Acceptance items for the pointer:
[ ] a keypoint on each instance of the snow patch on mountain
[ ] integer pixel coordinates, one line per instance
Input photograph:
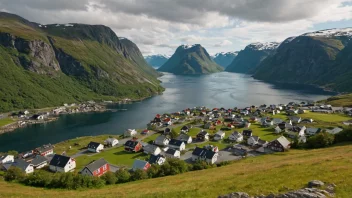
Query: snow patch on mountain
(226, 54)
(330, 32)
(187, 46)
(264, 46)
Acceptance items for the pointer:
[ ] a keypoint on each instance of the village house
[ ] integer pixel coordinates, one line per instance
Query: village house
(95, 147)
(236, 136)
(177, 144)
(208, 125)
(96, 168)
(162, 140)
(247, 133)
(21, 164)
(145, 132)
(295, 119)
(151, 149)
(39, 162)
(203, 154)
(167, 131)
(130, 133)
(187, 139)
(306, 121)
(133, 146)
(157, 159)
(44, 150)
(140, 164)
(173, 153)
(111, 142)
(38, 117)
(312, 131)
(167, 122)
(280, 144)
(7, 159)
(277, 129)
(277, 121)
(219, 135)
(60, 163)
(253, 140)
(334, 131)
(202, 136)
(185, 129)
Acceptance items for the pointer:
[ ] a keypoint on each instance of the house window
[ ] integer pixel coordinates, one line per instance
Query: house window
(104, 167)
(97, 171)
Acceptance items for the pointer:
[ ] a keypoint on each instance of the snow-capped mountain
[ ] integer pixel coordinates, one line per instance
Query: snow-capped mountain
(156, 60)
(263, 46)
(224, 58)
(331, 32)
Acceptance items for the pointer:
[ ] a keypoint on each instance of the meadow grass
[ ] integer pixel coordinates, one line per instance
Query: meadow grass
(6, 121)
(275, 173)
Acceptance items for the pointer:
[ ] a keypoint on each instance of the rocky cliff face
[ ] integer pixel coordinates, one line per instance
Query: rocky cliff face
(68, 63)
(36, 55)
(190, 59)
(249, 58)
(308, 59)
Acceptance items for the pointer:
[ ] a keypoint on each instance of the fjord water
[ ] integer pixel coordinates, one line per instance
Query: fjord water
(216, 90)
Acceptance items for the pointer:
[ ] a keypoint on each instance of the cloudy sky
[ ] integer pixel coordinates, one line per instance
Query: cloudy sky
(159, 26)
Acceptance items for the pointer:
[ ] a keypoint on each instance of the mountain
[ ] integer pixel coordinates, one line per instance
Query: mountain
(48, 65)
(249, 58)
(319, 58)
(224, 59)
(190, 59)
(156, 60)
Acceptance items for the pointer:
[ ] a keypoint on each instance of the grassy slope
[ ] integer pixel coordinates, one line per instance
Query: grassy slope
(340, 100)
(6, 121)
(260, 175)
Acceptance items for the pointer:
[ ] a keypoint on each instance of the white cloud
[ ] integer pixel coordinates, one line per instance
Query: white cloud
(223, 43)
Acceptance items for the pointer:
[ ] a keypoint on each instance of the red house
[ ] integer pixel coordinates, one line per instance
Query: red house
(44, 150)
(140, 164)
(133, 146)
(96, 168)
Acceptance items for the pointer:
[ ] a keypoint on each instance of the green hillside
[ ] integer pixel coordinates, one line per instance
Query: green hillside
(190, 60)
(54, 64)
(275, 173)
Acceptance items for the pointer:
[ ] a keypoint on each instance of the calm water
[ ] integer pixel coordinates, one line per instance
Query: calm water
(217, 90)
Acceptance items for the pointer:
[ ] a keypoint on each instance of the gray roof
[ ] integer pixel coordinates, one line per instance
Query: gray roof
(150, 148)
(283, 141)
(96, 164)
(171, 151)
(139, 164)
(59, 160)
(161, 138)
(256, 138)
(219, 133)
(20, 164)
(39, 160)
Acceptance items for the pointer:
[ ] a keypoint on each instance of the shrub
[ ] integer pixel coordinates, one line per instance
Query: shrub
(321, 140)
(14, 174)
(122, 176)
(139, 175)
(109, 178)
(344, 136)
(39, 179)
(153, 171)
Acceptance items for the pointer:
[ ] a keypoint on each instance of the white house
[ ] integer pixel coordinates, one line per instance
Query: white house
(219, 135)
(19, 163)
(203, 154)
(162, 140)
(177, 144)
(253, 140)
(130, 133)
(157, 159)
(7, 159)
(184, 138)
(60, 163)
(111, 142)
(278, 129)
(95, 147)
(151, 149)
(173, 153)
(39, 162)
(236, 136)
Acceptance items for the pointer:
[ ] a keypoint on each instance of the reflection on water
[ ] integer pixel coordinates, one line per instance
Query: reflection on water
(216, 90)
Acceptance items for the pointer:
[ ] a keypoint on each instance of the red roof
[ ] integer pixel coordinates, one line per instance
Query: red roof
(229, 125)
(167, 119)
(157, 116)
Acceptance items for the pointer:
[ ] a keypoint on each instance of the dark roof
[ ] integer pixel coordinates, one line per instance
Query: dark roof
(131, 143)
(183, 137)
(59, 160)
(185, 128)
(209, 154)
(154, 158)
(175, 142)
(93, 145)
(171, 151)
(203, 133)
(247, 132)
(93, 166)
(199, 152)
(39, 160)
(167, 130)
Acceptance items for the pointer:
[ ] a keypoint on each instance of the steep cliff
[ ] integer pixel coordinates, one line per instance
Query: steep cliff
(192, 59)
(249, 58)
(77, 61)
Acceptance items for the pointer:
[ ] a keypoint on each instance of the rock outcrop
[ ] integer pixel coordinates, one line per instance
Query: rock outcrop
(309, 192)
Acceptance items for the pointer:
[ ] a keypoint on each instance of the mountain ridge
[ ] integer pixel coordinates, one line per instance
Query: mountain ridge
(224, 58)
